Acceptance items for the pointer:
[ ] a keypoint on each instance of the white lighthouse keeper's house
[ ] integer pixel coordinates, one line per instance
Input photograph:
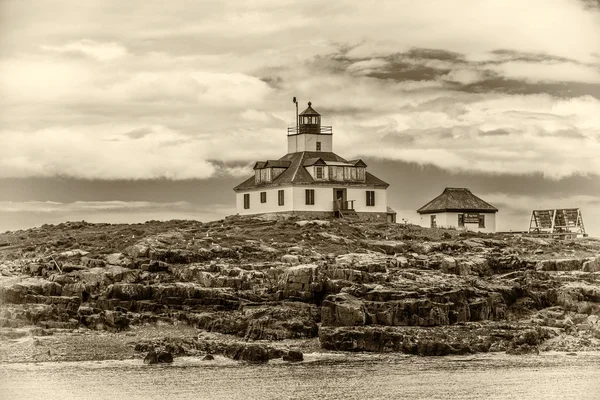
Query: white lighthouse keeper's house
(311, 179)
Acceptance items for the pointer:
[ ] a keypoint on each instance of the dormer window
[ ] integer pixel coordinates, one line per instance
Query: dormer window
(319, 172)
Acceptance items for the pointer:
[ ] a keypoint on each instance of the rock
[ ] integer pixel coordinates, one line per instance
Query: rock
(116, 320)
(402, 262)
(343, 310)
(151, 358)
(390, 247)
(372, 262)
(138, 250)
(155, 266)
(293, 356)
(117, 259)
(592, 265)
(252, 353)
(568, 264)
(449, 265)
(313, 222)
(523, 349)
(290, 259)
(72, 253)
(208, 357)
(300, 281)
(164, 357)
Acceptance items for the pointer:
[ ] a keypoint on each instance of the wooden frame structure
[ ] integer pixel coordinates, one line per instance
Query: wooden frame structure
(560, 223)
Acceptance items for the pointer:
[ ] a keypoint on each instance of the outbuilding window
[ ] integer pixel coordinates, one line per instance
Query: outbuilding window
(263, 197)
(310, 196)
(370, 198)
(482, 220)
(461, 220)
(280, 197)
(247, 201)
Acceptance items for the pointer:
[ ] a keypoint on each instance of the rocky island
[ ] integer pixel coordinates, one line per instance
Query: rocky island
(256, 289)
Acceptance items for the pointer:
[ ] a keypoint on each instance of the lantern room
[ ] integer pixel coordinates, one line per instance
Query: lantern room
(309, 121)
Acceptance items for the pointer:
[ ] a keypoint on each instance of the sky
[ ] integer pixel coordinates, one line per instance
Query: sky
(115, 111)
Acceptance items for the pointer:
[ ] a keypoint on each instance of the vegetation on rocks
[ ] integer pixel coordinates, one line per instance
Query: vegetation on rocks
(259, 283)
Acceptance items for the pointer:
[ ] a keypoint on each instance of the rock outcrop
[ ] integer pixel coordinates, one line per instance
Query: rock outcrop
(356, 286)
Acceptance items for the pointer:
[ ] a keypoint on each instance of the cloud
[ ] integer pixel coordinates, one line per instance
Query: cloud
(89, 48)
(202, 90)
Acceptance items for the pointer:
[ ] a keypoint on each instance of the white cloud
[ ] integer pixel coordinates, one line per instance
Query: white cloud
(90, 48)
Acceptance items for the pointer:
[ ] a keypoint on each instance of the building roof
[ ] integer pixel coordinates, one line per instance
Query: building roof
(277, 164)
(296, 174)
(313, 161)
(456, 199)
(358, 163)
(309, 110)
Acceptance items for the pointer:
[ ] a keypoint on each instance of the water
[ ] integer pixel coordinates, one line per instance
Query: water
(550, 376)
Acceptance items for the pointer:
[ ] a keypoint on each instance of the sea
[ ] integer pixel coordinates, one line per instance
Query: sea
(319, 376)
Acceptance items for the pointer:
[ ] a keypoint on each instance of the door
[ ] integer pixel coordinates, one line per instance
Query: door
(433, 221)
(339, 199)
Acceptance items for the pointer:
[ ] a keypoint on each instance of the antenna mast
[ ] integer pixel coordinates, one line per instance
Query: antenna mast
(296, 103)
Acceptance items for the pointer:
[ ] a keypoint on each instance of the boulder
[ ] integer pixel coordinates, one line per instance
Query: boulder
(343, 310)
(313, 222)
(300, 281)
(566, 264)
(116, 320)
(164, 357)
(151, 358)
(117, 259)
(252, 353)
(208, 357)
(592, 265)
(293, 356)
(290, 259)
(369, 262)
(390, 247)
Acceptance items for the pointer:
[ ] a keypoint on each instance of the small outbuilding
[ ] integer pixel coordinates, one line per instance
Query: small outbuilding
(459, 208)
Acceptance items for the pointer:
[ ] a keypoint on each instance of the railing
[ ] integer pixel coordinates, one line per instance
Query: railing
(343, 205)
(310, 129)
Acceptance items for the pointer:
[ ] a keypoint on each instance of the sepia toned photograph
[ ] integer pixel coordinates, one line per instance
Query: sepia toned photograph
(260, 199)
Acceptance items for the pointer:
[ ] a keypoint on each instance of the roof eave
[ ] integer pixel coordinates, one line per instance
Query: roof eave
(460, 210)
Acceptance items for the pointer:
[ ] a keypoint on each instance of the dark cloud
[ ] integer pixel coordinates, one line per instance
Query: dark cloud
(514, 86)
(138, 133)
(495, 132)
(437, 65)
(513, 55)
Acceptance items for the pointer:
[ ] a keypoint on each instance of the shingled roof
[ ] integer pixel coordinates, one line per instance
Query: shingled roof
(456, 199)
(296, 174)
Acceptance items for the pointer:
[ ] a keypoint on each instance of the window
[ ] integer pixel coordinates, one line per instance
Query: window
(481, 220)
(247, 201)
(310, 196)
(433, 223)
(370, 198)
(280, 197)
(461, 220)
(263, 197)
(319, 172)
(318, 146)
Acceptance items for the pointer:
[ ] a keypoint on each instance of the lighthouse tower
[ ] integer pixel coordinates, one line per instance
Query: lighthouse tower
(309, 135)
